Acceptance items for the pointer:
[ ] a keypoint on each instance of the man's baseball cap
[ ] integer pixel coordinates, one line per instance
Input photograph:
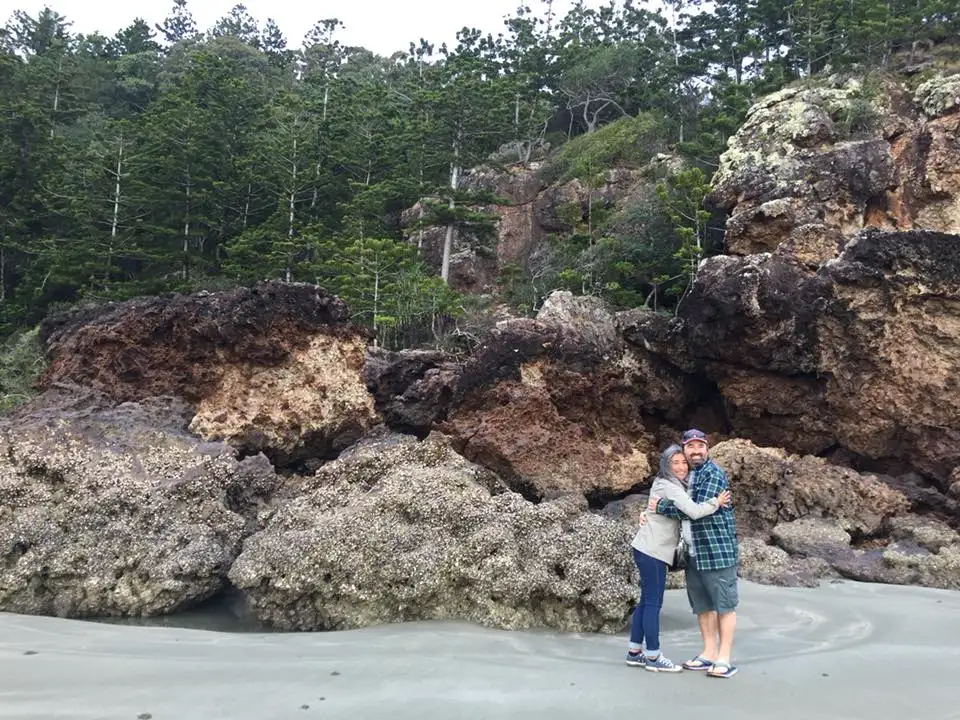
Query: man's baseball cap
(691, 435)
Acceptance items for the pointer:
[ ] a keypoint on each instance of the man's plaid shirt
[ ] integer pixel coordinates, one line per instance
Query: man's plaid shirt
(714, 536)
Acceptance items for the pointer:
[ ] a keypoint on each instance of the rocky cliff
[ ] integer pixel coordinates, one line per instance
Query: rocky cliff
(831, 326)
(532, 209)
(814, 165)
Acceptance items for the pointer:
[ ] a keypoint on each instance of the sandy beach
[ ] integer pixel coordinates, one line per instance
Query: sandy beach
(845, 650)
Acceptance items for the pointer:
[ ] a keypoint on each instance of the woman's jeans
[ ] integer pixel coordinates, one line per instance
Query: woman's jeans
(646, 615)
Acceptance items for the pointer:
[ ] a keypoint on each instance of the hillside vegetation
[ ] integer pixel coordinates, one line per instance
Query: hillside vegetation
(175, 158)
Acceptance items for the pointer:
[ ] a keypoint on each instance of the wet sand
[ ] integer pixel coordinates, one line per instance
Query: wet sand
(843, 651)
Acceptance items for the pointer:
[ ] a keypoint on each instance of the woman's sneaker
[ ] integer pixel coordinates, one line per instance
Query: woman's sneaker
(662, 664)
(638, 659)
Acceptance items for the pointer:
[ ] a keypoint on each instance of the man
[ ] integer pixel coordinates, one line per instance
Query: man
(711, 573)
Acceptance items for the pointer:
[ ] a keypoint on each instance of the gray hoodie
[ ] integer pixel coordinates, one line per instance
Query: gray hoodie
(658, 537)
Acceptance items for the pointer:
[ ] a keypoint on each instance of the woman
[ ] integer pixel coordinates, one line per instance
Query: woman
(653, 548)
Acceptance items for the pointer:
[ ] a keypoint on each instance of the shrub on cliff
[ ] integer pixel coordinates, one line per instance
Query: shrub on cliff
(628, 142)
(21, 361)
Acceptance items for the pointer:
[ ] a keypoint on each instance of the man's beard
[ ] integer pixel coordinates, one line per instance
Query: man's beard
(697, 462)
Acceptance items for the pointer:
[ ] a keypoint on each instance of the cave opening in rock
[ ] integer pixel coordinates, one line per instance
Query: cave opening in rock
(224, 611)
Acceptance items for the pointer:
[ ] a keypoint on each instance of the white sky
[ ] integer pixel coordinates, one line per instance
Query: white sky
(383, 26)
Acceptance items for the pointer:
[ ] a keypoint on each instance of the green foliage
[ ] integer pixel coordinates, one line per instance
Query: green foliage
(681, 196)
(858, 115)
(21, 362)
(639, 256)
(384, 285)
(179, 157)
(628, 142)
(462, 211)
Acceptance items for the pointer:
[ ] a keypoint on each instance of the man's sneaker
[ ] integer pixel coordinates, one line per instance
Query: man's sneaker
(661, 664)
(636, 660)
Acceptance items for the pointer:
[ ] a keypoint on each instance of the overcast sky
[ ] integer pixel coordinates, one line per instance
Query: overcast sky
(383, 26)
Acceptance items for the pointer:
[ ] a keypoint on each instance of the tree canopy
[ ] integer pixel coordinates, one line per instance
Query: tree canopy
(172, 158)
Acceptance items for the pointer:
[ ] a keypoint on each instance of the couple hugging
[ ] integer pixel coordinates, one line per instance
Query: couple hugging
(689, 522)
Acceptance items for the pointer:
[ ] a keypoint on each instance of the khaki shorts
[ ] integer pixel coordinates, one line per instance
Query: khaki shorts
(712, 590)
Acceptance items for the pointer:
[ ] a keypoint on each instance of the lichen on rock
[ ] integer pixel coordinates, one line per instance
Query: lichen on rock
(840, 155)
(939, 96)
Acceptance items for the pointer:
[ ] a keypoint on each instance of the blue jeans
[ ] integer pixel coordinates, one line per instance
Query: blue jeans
(646, 615)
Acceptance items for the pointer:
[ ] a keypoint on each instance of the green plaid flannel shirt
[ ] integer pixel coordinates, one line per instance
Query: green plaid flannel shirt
(714, 536)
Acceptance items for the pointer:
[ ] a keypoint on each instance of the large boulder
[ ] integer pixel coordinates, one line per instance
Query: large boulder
(110, 511)
(274, 368)
(553, 404)
(813, 165)
(773, 487)
(398, 529)
(914, 551)
(802, 520)
(861, 356)
(820, 334)
(558, 403)
(771, 565)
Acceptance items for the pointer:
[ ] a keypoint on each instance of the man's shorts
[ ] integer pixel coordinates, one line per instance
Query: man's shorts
(712, 590)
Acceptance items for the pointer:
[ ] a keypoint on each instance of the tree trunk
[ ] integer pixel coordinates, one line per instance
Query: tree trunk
(454, 181)
(376, 304)
(516, 128)
(292, 205)
(292, 197)
(56, 97)
(676, 66)
(423, 152)
(447, 248)
(114, 223)
(186, 230)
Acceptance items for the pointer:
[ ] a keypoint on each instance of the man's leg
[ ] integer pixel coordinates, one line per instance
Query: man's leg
(728, 625)
(702, 605)
(727, 597)
(710, 633)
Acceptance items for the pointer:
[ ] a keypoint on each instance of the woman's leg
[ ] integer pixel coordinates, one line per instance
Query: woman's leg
(653, 578)
(636, 624)
(654, 574)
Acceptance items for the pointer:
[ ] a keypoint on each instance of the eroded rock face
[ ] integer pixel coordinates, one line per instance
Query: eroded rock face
(554, 431)
(274, 368)
(802, 520)
(117, 510)
(863, 355)
(312, 404)
(813, 166)
(400, 530)
(412, 389)
(555, 404)
(559, 404)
